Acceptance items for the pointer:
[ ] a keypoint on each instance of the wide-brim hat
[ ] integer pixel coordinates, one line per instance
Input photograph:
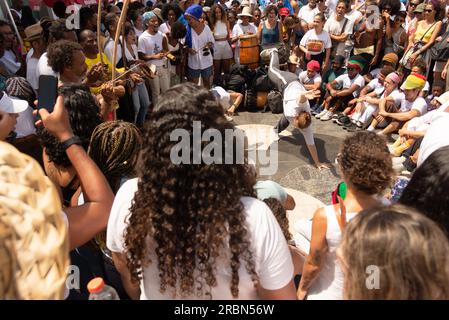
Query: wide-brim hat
(33, 32)
(158, 13)
(246, 12)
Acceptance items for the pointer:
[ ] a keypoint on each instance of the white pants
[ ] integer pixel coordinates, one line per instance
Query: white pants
(160, 83)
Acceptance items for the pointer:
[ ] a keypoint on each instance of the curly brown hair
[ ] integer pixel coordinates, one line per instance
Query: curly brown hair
(280, 214)
(365, 162)
(192, 212)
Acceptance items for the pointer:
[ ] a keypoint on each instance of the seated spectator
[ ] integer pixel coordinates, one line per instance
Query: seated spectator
(413, 262)
(438, 88)
(343, 89)
(231, 226)
(416, 128)
(311, 78)
(370, 98)
(412, 106)
(270, 189)
(366, 168)
(390, 59)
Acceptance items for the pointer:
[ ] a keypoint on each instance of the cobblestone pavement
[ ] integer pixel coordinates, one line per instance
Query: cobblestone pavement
(294, 166)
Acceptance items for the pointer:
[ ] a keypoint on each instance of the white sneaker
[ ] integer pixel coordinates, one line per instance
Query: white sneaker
(229, 118)
(327, 116)
(398, 160)
(321, 114)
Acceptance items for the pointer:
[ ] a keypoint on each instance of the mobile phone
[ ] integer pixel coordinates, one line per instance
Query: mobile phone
(48, 92)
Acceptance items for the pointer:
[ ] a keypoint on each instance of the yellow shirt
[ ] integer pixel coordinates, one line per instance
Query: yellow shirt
(91, 62)
(420, 32)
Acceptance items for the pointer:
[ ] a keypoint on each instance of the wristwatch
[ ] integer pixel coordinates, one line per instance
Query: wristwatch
(73, 140)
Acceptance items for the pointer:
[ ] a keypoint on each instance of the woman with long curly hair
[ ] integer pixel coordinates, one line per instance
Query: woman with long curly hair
(366, 167)
(195, 230)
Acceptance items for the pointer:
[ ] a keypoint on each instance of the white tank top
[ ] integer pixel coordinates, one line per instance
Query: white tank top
(220, 30)
(329, 283)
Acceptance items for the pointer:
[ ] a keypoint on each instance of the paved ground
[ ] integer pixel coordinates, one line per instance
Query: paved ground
(295, 169)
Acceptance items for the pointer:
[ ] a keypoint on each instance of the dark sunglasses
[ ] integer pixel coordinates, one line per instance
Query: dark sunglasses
(413, 4)
(206, 52)
(428, 10)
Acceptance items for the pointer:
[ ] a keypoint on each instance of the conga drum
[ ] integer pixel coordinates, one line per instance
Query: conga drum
(249, 51)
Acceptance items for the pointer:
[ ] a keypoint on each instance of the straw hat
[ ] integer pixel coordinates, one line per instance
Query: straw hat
(246, 12)
(33, 32)
(34, 248)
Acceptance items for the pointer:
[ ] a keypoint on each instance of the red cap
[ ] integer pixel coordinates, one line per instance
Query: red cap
(95, 285)
(284, 12)
(314, 65)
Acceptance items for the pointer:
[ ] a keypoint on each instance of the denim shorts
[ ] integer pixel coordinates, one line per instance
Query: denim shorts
(196, 73)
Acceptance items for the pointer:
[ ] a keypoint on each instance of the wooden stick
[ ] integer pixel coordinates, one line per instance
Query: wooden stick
(100, 47)
(120, 24)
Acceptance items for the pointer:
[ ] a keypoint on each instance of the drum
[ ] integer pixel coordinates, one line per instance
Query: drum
(249, 51)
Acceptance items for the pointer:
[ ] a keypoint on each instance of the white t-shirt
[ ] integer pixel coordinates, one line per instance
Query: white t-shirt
(25, 123)
(32, 72)
(335, 28)
(376, 86)
(331, 5)
(304, 79)
(345, 83)
(239, 30)
(316, 43)
(10, 61)
(151, 44)
(307, 14)
(43, 68)
(222, 96)
(199, 61)
(164, 28)
(273, 262)
(437, 136)
(397, 96)
(292, 107)
(419, 104)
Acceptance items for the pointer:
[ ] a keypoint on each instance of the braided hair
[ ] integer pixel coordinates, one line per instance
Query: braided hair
(114, 146)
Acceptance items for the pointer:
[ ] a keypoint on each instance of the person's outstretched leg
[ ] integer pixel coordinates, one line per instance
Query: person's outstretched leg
(278, 77)
(282, 124)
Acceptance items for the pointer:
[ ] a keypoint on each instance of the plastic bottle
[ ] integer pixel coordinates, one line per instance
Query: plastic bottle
(100, 291)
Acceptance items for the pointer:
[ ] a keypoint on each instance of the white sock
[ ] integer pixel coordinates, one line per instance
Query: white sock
(371, 128)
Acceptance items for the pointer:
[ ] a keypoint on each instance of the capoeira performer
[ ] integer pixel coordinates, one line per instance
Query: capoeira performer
(295, 103)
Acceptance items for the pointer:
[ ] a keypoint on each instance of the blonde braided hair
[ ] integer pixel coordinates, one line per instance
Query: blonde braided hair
(34, 247)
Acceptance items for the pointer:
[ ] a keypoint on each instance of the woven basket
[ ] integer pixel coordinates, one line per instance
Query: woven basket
(34, 248)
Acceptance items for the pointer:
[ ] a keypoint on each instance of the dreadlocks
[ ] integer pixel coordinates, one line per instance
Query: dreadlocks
(114, 146)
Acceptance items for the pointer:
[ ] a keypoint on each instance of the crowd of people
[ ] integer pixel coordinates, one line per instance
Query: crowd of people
(98, 168)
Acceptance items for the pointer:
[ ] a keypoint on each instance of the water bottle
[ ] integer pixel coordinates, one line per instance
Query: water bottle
(100, 291)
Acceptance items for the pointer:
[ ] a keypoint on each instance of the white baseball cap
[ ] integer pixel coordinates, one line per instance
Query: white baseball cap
(11, 105)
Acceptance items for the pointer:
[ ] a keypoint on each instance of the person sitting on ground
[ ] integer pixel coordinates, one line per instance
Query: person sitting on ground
(369, 100)
(420, 67)
(438, 88)
(280, 214)
(311, 78)
(412, 106)
(412, 133)
(270, 189)
(390, 59)
(295, 102)
(343, 89)
(413, 262)
(367, 171)
(219, 242)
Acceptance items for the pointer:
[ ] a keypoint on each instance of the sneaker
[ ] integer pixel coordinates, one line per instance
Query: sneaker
(317, 109)
(321, 114)
(336, 116)
(266, 54)
(352, 127)
(229, 118)
(344, 121)
(398, 150)
(327, 116)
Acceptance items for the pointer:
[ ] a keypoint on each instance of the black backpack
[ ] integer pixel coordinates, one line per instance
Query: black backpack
(274, 102)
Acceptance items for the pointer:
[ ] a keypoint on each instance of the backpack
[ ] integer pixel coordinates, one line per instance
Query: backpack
(274, 102)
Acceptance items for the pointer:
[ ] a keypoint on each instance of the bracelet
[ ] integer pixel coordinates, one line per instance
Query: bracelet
(71, 141)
